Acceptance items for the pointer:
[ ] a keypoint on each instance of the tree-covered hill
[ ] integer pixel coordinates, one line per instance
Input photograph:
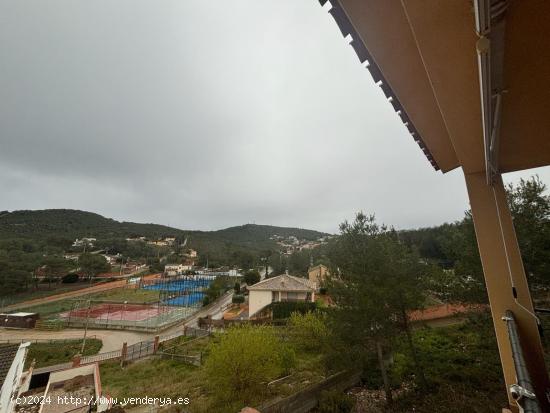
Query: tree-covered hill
(252, 234)
(71, 224)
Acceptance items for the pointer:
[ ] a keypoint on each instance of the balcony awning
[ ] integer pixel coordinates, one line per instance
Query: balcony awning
(423, 54)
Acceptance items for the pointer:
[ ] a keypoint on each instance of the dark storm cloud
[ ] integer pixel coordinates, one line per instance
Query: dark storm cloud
(203, 114)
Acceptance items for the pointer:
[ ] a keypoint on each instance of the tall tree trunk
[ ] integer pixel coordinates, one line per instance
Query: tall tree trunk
(412, 347)
(387, 388)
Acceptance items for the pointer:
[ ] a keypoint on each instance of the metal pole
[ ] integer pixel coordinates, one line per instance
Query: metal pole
(86, 328)
(523, 392)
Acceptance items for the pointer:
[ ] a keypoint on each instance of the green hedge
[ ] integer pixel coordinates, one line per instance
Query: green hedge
(237, 299)
(282, 310)
(70, 278)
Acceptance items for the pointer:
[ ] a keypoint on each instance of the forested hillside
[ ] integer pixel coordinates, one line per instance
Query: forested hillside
(453, 246)
(72, 224)
(28, 236)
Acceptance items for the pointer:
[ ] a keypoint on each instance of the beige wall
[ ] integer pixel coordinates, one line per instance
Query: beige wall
(258, 300)
(317, 275)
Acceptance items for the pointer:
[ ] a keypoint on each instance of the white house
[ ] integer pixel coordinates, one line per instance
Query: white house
(12, 361)
(177, 269)
(191, 253)
(281, 288)
(84, 241)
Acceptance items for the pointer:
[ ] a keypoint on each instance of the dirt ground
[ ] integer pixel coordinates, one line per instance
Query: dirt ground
(70, 294)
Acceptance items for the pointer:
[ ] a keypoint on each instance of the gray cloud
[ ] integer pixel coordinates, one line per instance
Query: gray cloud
(203, 114)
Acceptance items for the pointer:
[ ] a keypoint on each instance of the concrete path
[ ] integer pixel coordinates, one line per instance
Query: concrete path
(215, 310)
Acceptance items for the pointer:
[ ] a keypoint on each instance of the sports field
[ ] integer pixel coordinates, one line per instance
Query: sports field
(179, 285)
(186, 300)
(126, 316)
(118, 311)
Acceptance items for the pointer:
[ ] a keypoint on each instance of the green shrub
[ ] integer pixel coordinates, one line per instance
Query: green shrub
(308, 331)
(252, 277)
(237, 299)
(244, 359)
(464, 353)
(288, 360)
(47, 354)
(70, 278)
(333, 401)
(282, 310)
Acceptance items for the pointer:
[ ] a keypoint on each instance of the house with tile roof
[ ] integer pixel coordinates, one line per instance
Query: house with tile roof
(282, 288)
(318, 274)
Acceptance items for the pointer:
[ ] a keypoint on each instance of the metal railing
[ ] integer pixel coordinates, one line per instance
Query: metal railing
(192, 359)
(44, 340)
(523, 391)
(101, 357)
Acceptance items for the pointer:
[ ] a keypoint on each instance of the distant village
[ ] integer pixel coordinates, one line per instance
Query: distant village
(292, 244)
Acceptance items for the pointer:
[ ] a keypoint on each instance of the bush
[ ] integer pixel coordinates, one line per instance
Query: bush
(323, 291)
(237, 287)
(70, 278)
(238, 299)
(282, 310)
(251, 277)
(465, 353)
(333, 401)
(243, 360)
(48, 354)
(309, 331)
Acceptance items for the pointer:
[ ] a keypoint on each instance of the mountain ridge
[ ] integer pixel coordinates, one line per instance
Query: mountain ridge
(74, 223)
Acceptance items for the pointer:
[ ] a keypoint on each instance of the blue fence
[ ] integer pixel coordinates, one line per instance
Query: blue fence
(183, 292)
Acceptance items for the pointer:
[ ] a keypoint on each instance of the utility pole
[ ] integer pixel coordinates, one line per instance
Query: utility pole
(86, 327)
(266, 261)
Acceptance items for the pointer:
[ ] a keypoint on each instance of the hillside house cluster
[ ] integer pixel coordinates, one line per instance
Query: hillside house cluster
(293, 244)
(84, 242)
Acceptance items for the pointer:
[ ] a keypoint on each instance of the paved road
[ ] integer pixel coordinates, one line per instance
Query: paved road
(215, 311)
(75, 293)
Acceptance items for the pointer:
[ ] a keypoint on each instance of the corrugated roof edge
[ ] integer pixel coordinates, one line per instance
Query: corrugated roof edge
(346, 27)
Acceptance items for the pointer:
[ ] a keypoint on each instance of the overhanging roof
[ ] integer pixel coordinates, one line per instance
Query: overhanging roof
(424, 54)
(284, 282)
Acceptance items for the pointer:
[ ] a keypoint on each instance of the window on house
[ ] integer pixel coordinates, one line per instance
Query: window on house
(293, 296)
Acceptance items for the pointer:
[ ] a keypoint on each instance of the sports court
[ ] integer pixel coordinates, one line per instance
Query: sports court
(178, 299)
(119, 311)
(149, 317)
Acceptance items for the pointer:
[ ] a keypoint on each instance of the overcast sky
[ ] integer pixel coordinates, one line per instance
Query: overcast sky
(204, 114)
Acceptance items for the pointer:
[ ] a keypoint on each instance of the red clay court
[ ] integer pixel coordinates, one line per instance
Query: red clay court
(127, 312)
